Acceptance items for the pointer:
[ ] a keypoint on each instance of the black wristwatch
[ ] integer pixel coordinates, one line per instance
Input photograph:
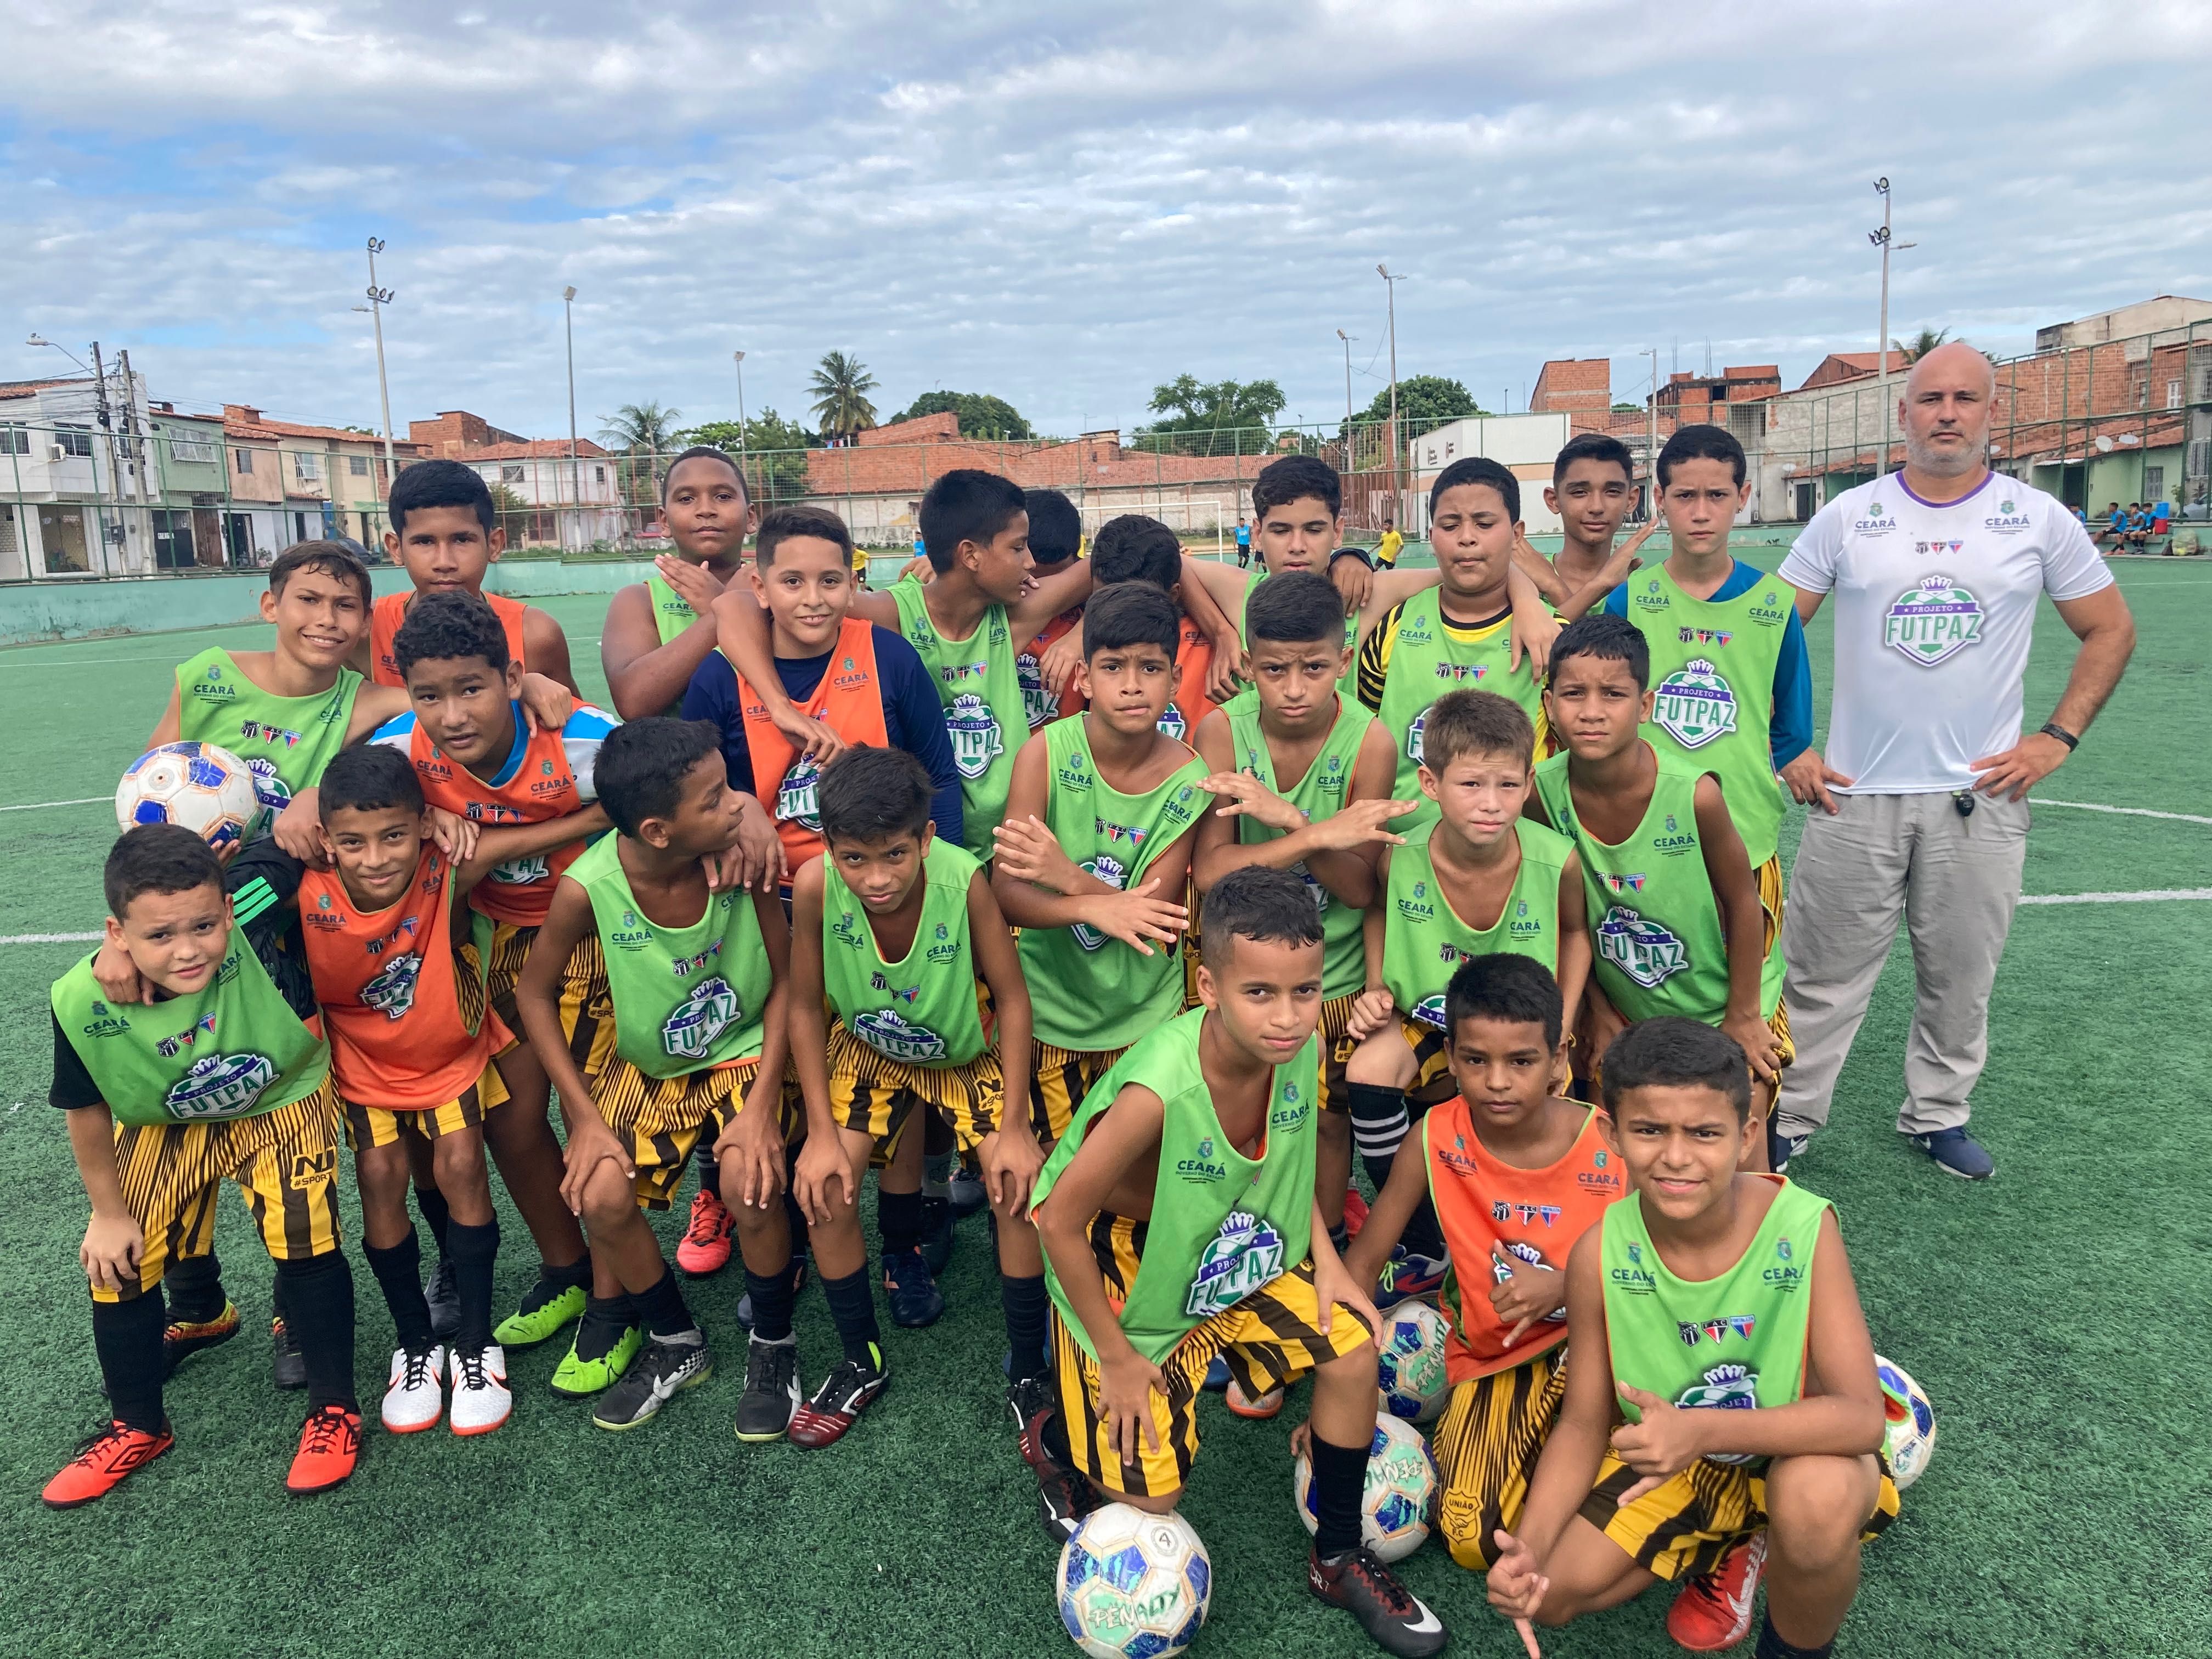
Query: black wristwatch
(1359, 553)
(2053, 729)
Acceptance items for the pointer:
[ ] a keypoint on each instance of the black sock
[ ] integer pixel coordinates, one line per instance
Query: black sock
(472, 1250)
(1340, 1481)
(194, 1286)
(1339, 1239)
(398, 1270)
(852, 1308)
(1054, 1435)
(127, 1337)
(937, 1137)
(660, 1307)
(898, 1219)
(1772, 1646)
(1424, 1233)
(1379, 1123)
(773, 1298)
(710, 1173)
(318, 1312)
(1026, 1307)
(435, 1215)
(796, 1218)
(604, 1320)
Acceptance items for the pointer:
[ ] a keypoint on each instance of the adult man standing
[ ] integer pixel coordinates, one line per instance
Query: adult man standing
(1924, 814)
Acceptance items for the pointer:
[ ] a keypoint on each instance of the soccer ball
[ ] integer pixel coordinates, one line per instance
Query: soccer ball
(209, 790)
(1909, 1437)
(1400, 1496)
(1409, 1362)
(1134, 1585)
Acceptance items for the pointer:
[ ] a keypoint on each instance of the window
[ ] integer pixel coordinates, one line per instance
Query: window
(357, 466)
(243, 460)
(61, 533)
(74, 439)
(15, 439)
(305, 467)
(173, 540)
(510, 475)
(2153, 482)
(197, 450)
(2174, 392)
(598, 475)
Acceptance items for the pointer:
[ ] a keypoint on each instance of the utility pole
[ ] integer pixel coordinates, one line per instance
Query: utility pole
(106, 416)
(575, 472)
(738, 357)
(1347, 339)
(378, 299)
(1651, 438)
(1397, 488)
(1881, 240)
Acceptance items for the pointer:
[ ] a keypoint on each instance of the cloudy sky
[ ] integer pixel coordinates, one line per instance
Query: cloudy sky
(1066, 205)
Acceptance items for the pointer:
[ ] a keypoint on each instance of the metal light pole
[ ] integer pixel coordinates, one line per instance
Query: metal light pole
(1347, 339)
(575, 472)
(378, 299)
(1390, 286)
(1651, 438)
(1881, 240)
(738, 358)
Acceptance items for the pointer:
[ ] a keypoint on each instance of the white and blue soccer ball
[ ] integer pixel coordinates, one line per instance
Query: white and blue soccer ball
(1134, 1585)
(1399, 1504)
(208, 790)
(1909, 1423)
(1409, 1362)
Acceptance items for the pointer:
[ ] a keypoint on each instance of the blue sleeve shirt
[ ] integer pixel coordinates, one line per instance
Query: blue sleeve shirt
(1789, 733)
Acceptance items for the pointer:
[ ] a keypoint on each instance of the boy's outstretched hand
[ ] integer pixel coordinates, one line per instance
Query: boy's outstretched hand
(456, 836)
(1527, 1294)
(1241, 795)
(694, 584)
(756, 860)
(1517, 1589)
(1057, 666)
(1661, 1446)
(1137, 917)
(1363, 823)
(1029, 852)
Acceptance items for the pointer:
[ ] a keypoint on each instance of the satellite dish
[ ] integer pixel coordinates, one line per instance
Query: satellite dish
(2103, 446)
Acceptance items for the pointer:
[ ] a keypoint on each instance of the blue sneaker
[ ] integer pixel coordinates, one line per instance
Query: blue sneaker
(1408, 1275)
(1956, 1153)
(1783, 1148)
(913, 1297)
(1216, 1375)
(966, 1190)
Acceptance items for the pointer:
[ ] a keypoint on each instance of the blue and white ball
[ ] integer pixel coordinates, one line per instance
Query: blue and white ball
(209, 790)
(1409, 1362)
(1134, 1585)
(1909, 1423)
(1399, 1504)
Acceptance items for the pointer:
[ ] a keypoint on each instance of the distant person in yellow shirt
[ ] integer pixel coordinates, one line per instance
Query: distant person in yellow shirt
(1386, 549)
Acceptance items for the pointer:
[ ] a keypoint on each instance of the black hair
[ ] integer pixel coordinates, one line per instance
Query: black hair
(706, 453)
(1471, 722)
(1671, 1052)
(333, 559)
(1056, 526)
(782, 522)
(642, 763)
(1592, 447)
(1131, 613)
(440, 483)
(1135, 549)
(1605, 637)
(158, 858)
(1274, 906)
(1294, 477)
(369, 777)
(871, 795)
(1701, 443)
(1296, 606)
(965, 505)
(452, 625)
(1517, 989)
(1477, 470)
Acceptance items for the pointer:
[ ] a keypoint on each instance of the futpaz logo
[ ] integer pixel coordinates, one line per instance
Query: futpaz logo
(1643, 949)
(897, 1038)
(690, 1032)
(1246, 1255)
(1038, 703)
(391, 993)
(1694, 704)
(1115, 875)
(220, 1086)
(797, 798)
(976, 739)
(1725, 1388)
(1932, 621)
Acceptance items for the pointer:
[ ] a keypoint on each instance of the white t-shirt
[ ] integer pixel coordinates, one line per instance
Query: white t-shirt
(1934, 605)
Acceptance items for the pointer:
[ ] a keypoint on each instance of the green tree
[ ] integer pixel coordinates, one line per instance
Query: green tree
(1425, 402)
(640, 435)
(774, 451)
(982, 415)
(1921, 344)
(1628, 409)
(840, 387)
(1221, 418)
(514, 515)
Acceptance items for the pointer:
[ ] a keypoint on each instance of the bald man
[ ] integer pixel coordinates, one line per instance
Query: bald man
(1920, 807)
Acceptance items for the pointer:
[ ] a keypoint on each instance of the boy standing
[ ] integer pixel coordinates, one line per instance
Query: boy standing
(1719, 1349)
(1593, 486)
(1516, 1174)
(659, 630)
(1055, 543)
(445, 530)
(1097, 840)
(223, 1075)
(1179, 1224)
(1676, 911)
(698, 980)
(1135, 549)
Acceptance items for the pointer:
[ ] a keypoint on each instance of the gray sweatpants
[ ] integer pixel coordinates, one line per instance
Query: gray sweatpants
(1954, 881)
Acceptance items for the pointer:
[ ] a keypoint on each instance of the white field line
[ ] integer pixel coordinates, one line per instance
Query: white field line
(2128, 812)
(49, 938)
(37, 805)
(2155, 897)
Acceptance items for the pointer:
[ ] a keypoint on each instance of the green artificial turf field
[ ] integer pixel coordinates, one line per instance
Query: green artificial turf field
(2052, 1313)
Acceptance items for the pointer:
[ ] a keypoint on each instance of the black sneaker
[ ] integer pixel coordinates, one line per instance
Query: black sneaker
(444, 1296)
(910, 1289)
(669, 1365)
(182, 1337)
(936, 1232)
(837, 1404)
(1064, 1495)
(1396, 1619)
(286, 1362)
(967, 1191)
(798, 1284)
(771, 1394)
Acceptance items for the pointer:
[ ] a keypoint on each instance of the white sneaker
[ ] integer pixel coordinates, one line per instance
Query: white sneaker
(413, 1400)
(481, 1400)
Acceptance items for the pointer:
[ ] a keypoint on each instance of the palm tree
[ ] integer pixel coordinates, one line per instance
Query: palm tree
(841, 385)
(1921, 344)
(644, 431)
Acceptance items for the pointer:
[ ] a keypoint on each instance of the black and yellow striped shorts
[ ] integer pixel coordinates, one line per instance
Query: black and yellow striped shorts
(1336, 1046)
(1486, 1448)
(1270, 1338)
(1684, 1528)
(380, 1126)
(587, 1011)
(1059, 1080)
(660, 1121)
(1432, 1083)
(875, 1095)
(285, 1161)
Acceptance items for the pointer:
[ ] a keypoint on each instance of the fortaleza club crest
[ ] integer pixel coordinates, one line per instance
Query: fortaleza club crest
(391, 993)
(1694, 705)
(897, 1038)
(1933, 619)
(222, 1085)
(1643, 949)
(1111, 871)
(976, 739)
(1244, 1255)
(1726, 1388)
(796, 797)
(700, 1020)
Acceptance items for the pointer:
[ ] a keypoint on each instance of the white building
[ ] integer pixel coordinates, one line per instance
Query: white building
(1525, 445)
(76, 497)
